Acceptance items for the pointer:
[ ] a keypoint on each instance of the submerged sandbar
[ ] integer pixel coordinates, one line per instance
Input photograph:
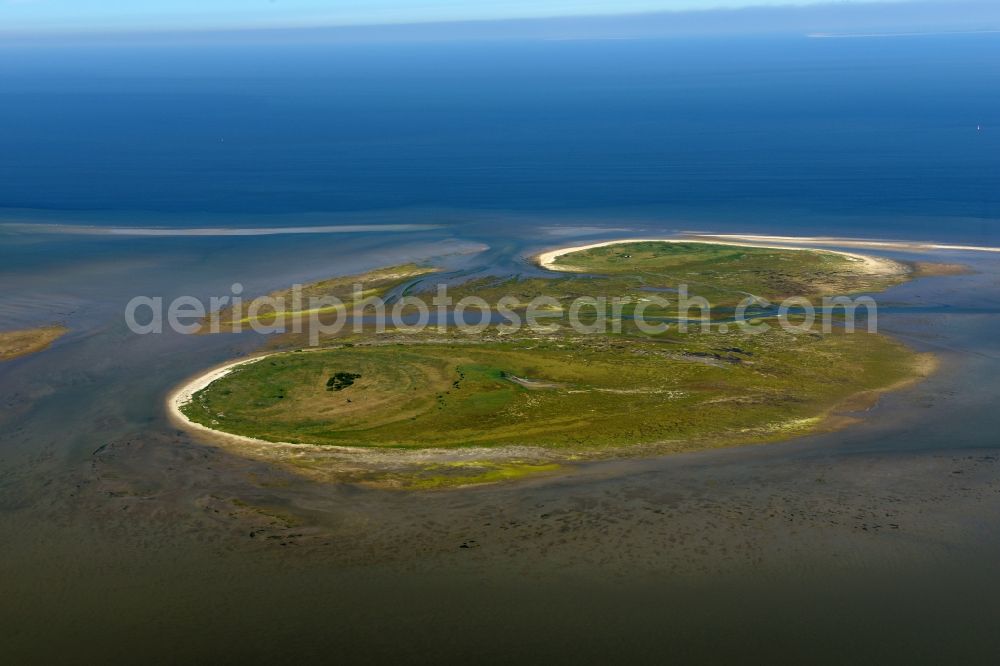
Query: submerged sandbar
(15, 344)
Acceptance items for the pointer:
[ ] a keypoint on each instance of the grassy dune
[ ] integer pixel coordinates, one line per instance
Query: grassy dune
(580, 394)
(725, 273)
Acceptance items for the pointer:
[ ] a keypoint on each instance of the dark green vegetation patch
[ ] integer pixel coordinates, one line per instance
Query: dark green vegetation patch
(341, 380)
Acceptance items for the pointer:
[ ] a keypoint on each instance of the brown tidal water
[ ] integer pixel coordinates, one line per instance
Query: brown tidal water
(125, 539)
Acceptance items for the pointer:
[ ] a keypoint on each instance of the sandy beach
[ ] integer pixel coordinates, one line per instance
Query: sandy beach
(913, 246)
(185, 394)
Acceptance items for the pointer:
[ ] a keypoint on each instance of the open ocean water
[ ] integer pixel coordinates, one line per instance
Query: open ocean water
(123, 538)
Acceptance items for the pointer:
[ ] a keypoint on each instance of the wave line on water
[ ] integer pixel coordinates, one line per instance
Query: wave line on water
(94, 230)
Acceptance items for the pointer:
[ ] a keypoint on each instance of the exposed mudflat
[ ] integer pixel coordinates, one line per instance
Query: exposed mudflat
(124, 535)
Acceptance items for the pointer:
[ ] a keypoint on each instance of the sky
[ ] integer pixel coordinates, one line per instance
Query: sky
(48, 16)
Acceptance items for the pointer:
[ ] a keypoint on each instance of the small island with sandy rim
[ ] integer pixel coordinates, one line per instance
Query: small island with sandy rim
(439, 409)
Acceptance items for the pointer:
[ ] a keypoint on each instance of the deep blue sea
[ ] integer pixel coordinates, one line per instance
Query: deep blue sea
(887, 137)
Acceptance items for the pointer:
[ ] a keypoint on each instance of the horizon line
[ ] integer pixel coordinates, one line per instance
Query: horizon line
(792, 10)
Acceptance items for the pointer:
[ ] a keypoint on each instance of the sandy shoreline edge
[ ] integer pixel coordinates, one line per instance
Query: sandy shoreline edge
(914, 246)
(183, 394)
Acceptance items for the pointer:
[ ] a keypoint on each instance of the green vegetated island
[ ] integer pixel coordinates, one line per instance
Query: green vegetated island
(445, 408)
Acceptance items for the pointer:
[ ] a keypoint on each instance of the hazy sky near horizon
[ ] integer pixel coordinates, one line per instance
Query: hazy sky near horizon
(125, 15)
